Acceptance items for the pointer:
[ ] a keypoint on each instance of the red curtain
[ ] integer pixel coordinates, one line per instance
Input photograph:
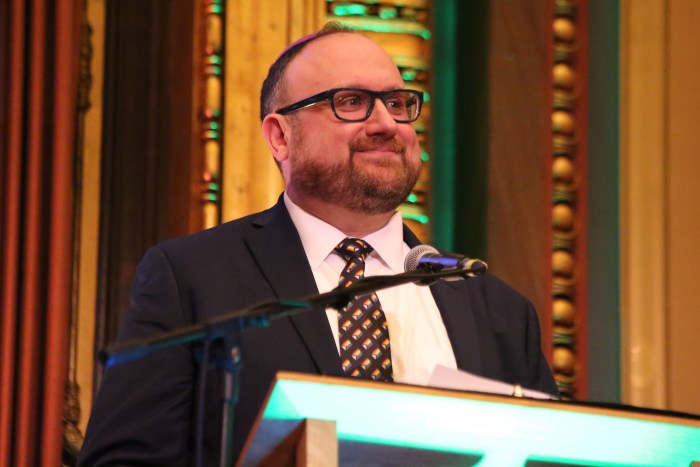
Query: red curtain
(39, 62)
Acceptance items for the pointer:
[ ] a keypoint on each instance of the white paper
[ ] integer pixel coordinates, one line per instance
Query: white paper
(449, 378)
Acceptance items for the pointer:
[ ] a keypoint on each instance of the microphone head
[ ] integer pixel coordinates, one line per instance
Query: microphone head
(413, 257)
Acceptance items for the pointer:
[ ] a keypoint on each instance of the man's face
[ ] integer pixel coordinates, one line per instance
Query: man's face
(368, 167)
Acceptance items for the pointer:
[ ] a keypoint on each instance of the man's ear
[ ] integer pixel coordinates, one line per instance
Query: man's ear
(275, 129)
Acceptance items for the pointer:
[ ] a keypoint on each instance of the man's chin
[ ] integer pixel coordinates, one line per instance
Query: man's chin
(380, 171)
(387, 180)
(381, 198)
(376, 206)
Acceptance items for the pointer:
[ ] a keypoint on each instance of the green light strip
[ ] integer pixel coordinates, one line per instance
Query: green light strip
(506, 433)
(421, 218)
(381, 25)
(444, 124)
(388, 13)
(408, 75)
(353, 9)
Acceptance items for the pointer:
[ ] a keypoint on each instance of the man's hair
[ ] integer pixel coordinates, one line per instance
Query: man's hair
(272, 87)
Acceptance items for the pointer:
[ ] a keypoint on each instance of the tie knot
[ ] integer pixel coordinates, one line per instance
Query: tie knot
(353, 248)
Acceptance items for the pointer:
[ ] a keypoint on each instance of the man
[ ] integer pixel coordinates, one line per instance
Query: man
(337, 120)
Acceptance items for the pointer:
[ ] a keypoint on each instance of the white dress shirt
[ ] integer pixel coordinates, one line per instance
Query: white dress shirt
(418, 337)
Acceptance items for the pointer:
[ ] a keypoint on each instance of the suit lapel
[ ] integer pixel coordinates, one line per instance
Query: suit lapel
(278, 250)
(453, 301)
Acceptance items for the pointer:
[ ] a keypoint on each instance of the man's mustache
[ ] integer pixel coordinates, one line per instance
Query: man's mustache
(378, 143)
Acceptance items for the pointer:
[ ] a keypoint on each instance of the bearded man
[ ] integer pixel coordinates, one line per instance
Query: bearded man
(338, 121)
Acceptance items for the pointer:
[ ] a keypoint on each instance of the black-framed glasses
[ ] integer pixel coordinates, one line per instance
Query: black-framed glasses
(356, 105)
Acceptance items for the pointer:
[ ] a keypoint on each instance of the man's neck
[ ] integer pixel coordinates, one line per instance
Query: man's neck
(351, 223)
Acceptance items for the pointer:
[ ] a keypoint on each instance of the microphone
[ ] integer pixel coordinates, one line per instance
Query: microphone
(425, 258)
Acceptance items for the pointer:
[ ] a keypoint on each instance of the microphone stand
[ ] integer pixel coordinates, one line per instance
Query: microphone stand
(223, 332)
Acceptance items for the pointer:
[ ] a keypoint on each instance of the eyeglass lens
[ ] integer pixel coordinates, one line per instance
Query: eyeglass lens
(353, 104)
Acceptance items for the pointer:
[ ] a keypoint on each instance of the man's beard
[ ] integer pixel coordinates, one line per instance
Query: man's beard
(377, 188)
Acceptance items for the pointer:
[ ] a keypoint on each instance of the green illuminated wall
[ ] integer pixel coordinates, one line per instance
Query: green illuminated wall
(460, 125)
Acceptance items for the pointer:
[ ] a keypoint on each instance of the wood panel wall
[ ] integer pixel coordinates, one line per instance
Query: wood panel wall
(684, 205)
(660, 204)
(151, 161)
(518, 145)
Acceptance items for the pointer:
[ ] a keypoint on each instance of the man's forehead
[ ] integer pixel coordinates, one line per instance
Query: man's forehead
(340, 53)
(328, 46)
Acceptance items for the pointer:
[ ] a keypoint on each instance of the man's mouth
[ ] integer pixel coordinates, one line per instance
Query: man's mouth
(385, 147)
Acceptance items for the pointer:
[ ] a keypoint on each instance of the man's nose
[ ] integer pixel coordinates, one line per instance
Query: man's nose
(380, 120)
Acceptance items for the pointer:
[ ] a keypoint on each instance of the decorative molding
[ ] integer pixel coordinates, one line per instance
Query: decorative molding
(568, 199)
(211, 116)
(81, 361)
(72, 436)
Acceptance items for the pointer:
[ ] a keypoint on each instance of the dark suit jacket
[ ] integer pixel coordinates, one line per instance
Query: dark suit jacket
(144, 412)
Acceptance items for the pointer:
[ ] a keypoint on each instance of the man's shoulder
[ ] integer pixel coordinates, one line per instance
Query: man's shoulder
(489, 293)
(226, 233)
(491, 284)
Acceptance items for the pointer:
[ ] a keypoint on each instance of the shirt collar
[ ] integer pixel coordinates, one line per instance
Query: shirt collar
(320, 238)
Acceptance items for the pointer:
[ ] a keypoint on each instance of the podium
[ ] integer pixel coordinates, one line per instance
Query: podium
(321, 420)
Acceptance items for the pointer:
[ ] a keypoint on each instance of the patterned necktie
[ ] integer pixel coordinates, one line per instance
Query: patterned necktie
(363, 332)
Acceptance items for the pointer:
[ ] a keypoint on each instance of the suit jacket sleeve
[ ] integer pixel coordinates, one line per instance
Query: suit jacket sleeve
(509, 335)
(143, 413)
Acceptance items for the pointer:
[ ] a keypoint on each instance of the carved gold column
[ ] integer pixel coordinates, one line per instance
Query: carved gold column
(79, 384)
(401, 27)
(72, 433)
(212, 111)
(568, 198)
(256, 33)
